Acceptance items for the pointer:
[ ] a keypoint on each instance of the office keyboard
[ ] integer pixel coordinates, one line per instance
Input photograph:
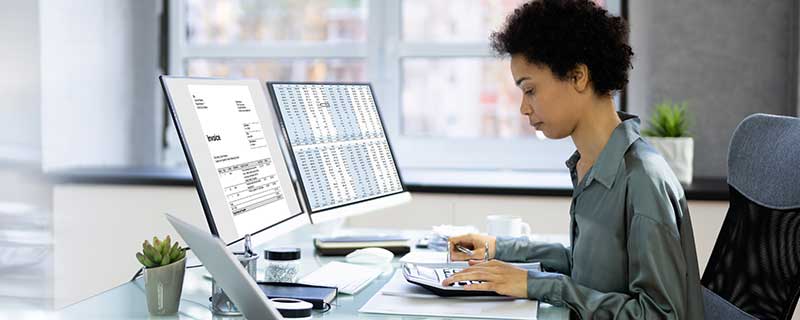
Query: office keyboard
(349, 278)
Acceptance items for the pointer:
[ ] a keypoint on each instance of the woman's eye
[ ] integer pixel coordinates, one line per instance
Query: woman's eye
(529, 92)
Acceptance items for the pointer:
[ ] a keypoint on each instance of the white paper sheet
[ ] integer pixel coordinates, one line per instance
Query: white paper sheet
(422, 305)
(427, 257)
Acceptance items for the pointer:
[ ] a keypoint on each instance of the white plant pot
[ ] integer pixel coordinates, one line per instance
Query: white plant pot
(163, 286)
(679, 153)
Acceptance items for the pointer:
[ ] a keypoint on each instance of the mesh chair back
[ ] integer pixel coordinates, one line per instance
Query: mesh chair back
(755, 264)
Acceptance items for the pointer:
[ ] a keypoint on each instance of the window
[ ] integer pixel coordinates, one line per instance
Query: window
(447, 100)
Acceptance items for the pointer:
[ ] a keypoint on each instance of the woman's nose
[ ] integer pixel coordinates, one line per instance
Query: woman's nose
(524, 108)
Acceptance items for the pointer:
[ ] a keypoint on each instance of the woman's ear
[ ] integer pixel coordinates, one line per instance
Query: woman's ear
(579, 78)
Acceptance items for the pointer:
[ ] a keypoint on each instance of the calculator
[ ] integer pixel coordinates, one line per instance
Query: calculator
(431, 278)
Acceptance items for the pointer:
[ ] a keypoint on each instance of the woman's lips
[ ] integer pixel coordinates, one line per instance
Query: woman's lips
(537, 125)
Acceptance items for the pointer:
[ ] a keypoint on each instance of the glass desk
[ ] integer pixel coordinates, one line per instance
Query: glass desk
(128, 301)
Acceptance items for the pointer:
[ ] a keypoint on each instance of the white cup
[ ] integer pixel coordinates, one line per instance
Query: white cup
(506, 225)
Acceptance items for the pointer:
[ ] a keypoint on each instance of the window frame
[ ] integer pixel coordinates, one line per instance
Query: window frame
(383, 51)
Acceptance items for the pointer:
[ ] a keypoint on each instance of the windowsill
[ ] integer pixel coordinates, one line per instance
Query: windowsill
(160, 176)
(498, 182)
(506, 182)
(536, 183)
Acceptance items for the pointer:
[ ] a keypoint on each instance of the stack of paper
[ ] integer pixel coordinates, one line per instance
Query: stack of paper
(402, 298)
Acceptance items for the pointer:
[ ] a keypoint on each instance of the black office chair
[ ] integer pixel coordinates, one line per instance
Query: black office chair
(754, 269)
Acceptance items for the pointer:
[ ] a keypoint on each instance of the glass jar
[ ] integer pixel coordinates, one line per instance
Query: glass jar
(283, 264)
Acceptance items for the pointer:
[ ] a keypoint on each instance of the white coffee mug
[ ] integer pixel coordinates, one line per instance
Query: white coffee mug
(506, 225)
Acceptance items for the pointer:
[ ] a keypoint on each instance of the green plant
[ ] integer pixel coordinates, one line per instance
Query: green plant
(160, 253)
(669, 120)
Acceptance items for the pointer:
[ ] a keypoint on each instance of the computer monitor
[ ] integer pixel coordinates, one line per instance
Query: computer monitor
(338, 147)
(228, 131)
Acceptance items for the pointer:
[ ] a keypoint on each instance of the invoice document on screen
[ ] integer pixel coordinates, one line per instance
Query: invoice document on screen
(237, 142)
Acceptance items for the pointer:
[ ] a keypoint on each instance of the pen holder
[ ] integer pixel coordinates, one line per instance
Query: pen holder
(220, 303)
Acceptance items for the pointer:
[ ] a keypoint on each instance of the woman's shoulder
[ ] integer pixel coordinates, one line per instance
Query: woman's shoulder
(650, 181)
(644, 164)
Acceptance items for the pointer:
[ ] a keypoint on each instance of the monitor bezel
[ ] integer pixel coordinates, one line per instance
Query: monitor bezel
(295, 165)
(193, 169)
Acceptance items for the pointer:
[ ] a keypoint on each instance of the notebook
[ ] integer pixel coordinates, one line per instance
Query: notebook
(340, 246)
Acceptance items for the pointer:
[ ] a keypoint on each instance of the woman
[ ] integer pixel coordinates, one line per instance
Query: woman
(632, 253)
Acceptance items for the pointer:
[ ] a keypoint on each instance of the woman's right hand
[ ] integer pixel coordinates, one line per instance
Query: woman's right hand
(474, 242)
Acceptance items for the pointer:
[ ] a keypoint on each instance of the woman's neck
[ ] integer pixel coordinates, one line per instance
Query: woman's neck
(594, 129)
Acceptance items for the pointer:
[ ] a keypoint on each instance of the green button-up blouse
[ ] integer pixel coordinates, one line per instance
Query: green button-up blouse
(632, 252)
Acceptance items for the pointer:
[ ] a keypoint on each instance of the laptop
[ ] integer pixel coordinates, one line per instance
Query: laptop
(227, 271)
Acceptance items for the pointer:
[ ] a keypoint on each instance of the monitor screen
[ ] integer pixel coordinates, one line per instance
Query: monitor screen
(337, 141)
(228, 132)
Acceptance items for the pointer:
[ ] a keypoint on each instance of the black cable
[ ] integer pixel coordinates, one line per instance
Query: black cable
(138, 273)
(326, 307)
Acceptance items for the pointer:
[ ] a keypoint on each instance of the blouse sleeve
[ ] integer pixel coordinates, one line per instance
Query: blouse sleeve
(553, 256)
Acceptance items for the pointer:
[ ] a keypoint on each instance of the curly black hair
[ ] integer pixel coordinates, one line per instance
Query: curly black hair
(561, 34)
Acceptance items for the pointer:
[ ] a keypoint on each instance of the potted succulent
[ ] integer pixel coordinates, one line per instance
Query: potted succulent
(669, 134)
(164, 266)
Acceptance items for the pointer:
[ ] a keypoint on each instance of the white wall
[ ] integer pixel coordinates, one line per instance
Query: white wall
(99, 89)
(79, 89)
(97, 230)
(25, 249)
(19, 83)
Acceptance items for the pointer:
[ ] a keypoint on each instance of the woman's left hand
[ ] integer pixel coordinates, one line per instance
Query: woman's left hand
(497, 276)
